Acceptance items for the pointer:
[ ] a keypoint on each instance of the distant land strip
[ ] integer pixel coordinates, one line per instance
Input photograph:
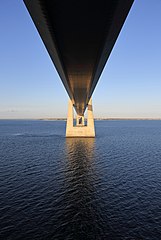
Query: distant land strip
(64, 119)
(100, 119)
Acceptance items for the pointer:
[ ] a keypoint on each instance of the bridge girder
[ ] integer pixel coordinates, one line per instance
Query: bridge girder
(79, 37)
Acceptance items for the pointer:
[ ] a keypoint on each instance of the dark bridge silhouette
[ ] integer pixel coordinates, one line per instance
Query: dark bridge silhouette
(79, 36)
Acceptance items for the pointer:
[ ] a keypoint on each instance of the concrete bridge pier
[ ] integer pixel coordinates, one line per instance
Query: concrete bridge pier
(80, 130)
(80, 120)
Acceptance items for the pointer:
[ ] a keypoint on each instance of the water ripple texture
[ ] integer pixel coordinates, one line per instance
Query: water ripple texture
(56, 188)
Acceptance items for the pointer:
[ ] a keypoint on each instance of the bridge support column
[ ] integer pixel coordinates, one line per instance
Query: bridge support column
(80, 130)
(80, 120)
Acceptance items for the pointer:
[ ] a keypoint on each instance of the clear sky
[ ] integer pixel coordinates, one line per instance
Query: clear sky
(130, 85)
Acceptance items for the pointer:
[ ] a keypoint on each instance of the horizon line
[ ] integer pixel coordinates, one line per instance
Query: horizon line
(96, 118)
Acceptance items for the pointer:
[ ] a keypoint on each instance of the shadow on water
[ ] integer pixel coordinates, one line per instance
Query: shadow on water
(81, 216)
(54, 188)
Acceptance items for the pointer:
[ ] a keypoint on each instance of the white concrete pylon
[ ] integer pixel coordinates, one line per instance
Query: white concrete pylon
(80, 120)
(90, 118)
(70, 116)
(80, 130)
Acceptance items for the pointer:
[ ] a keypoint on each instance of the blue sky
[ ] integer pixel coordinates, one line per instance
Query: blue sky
(130, 85)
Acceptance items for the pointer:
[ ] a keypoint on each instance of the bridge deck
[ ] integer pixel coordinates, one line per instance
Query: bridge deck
(79, 36)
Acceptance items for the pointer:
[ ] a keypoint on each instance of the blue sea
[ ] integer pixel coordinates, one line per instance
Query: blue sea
(55, 188)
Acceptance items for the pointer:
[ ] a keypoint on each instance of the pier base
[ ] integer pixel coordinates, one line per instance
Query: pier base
(80, 130)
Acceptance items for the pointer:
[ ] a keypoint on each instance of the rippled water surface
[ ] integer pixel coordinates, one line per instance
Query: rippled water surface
(57, 188)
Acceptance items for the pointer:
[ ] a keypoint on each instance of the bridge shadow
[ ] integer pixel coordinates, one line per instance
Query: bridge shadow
(81, 215)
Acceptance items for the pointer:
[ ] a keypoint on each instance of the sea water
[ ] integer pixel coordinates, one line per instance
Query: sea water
(108, 187)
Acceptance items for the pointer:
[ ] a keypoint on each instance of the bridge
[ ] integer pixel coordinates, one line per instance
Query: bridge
(79, 36)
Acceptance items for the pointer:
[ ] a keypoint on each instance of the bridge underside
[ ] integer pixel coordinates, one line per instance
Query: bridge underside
(79, 36)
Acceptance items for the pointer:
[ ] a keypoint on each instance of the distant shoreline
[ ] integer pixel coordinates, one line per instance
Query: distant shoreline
(64, 119)
(100, 119)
